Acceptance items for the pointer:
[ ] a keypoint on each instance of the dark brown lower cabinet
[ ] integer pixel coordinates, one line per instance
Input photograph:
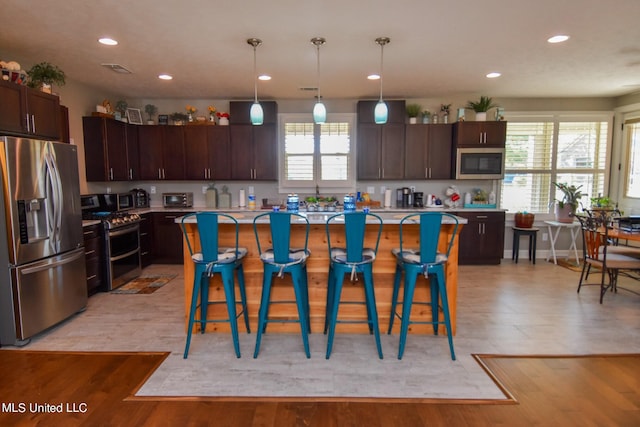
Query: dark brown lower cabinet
(94, 259)
(167, 238)
(146, 240)
(481, 240)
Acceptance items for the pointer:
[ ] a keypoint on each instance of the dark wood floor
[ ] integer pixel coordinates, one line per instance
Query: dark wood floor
(96, 389)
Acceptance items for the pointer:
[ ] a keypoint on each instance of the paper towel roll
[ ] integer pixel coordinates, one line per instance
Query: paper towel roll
(242, 200)
(387, 198)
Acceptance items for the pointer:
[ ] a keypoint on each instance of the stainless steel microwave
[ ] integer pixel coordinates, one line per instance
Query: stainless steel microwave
(177, 200)
(480, 163)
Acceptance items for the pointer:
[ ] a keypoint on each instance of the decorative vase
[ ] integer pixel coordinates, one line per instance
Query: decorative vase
(413, 120)
(481, 116)
(524, 220)
(212, 118)
(445, 118)
(224, 121)
(425, 120)
(565, 213)
(190, 117)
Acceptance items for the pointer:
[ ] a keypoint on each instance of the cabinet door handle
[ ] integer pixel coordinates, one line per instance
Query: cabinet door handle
(33, 123)
(130, 173)
(92, 277)
(163, 177)
(159, 174)
(481, 216)
(480, 138)
(204, 172)
(26, 119)
(90, 252)
(111, 174)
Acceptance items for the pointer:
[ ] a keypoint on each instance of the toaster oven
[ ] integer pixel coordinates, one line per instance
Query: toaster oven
(177, 200)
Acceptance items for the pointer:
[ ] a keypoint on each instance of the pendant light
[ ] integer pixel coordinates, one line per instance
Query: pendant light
(381, 112)
(256, 113)
(319, 110)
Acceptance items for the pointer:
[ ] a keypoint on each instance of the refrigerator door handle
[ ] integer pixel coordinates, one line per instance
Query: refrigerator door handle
(64, 259)
(56, 189)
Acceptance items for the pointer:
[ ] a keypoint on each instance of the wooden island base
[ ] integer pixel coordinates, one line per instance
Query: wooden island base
(318, 266)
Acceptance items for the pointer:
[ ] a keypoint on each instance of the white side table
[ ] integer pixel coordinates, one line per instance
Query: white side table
(554, 231)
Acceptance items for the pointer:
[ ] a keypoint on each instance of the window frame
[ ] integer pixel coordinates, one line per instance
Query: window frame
(285, 186)
(631, 122)
(557, 118)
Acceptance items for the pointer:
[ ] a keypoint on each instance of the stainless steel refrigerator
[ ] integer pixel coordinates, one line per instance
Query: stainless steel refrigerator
(42, 263)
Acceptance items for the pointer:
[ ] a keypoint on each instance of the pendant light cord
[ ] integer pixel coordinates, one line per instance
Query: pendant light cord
(381, 62)
(255, 76)
(318, 57)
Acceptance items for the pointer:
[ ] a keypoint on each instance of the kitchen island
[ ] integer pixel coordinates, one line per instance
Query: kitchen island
(317, 267)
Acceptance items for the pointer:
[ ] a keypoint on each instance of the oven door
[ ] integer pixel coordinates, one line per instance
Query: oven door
(480, 163)
(123, 249)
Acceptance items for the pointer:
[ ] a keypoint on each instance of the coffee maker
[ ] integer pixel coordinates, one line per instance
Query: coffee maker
(418, 199)
(404, 197)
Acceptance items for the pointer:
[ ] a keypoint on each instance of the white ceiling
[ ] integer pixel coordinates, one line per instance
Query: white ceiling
(437, 49)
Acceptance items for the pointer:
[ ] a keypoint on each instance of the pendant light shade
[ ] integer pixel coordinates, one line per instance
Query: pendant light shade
(381, 112)
(319, 110)
(256, 114)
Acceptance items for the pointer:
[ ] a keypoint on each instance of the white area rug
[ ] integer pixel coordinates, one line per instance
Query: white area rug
(354, 369)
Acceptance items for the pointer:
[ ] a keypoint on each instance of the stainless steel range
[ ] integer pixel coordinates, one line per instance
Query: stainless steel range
(121, 232)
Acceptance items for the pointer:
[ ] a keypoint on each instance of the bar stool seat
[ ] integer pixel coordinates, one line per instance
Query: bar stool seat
(532, 232)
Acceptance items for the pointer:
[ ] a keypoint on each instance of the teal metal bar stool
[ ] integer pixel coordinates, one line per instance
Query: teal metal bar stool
(278, 260)
(426, 261)
(210, 260)
(352, 259)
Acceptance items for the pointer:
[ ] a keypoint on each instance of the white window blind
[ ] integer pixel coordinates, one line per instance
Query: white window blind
(632, 188)
(316, 155)
(544, 150)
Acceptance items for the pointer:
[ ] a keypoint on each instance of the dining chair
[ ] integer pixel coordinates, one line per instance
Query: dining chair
(278, 259)
(427, 261)
(601, 252)
(209, 259)
(352, 258)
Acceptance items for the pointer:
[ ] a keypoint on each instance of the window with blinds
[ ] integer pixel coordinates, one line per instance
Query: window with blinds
(632, 187)
(317, 154)
(544, 150)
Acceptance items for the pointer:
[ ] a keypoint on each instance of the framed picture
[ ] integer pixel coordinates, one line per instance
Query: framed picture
(134, 116)
(163, 119)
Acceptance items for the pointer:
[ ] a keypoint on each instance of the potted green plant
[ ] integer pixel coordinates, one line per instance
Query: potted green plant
(413, 110)
(566, 207)
(44, 75)
(481, 107)
(179, 118)
(121, 110)
(151, 110)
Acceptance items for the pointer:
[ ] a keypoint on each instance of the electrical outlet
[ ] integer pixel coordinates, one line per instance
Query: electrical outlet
(152, 190)
(371, 190)
(545, 237)
(413, 188)
(204, 189)
(251, 189)
(108, 190)
(383, 189)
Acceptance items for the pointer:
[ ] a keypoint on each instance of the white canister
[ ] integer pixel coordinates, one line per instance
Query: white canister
(242, 201)
(467, 198)
(211, 197)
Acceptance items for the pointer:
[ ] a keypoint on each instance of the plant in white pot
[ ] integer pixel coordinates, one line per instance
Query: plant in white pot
(151, 110)
(566, 207)
(413, 111)
(481, 107)
(44, 75)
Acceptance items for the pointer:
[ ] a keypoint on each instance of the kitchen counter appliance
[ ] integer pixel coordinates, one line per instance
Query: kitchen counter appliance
(177, 200)
(42, 261)
(404, 197)
(121, 232)
(140, 198)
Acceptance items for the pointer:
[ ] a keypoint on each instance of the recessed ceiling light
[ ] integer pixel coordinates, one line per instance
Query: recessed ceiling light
(558, 39)
(108, 41)
(264, 77)
(165, 77)
(493, 75)
(373, 77)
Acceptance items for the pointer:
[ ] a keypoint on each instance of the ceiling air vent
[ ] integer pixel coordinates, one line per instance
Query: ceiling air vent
(308, 89)
(117, 68)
